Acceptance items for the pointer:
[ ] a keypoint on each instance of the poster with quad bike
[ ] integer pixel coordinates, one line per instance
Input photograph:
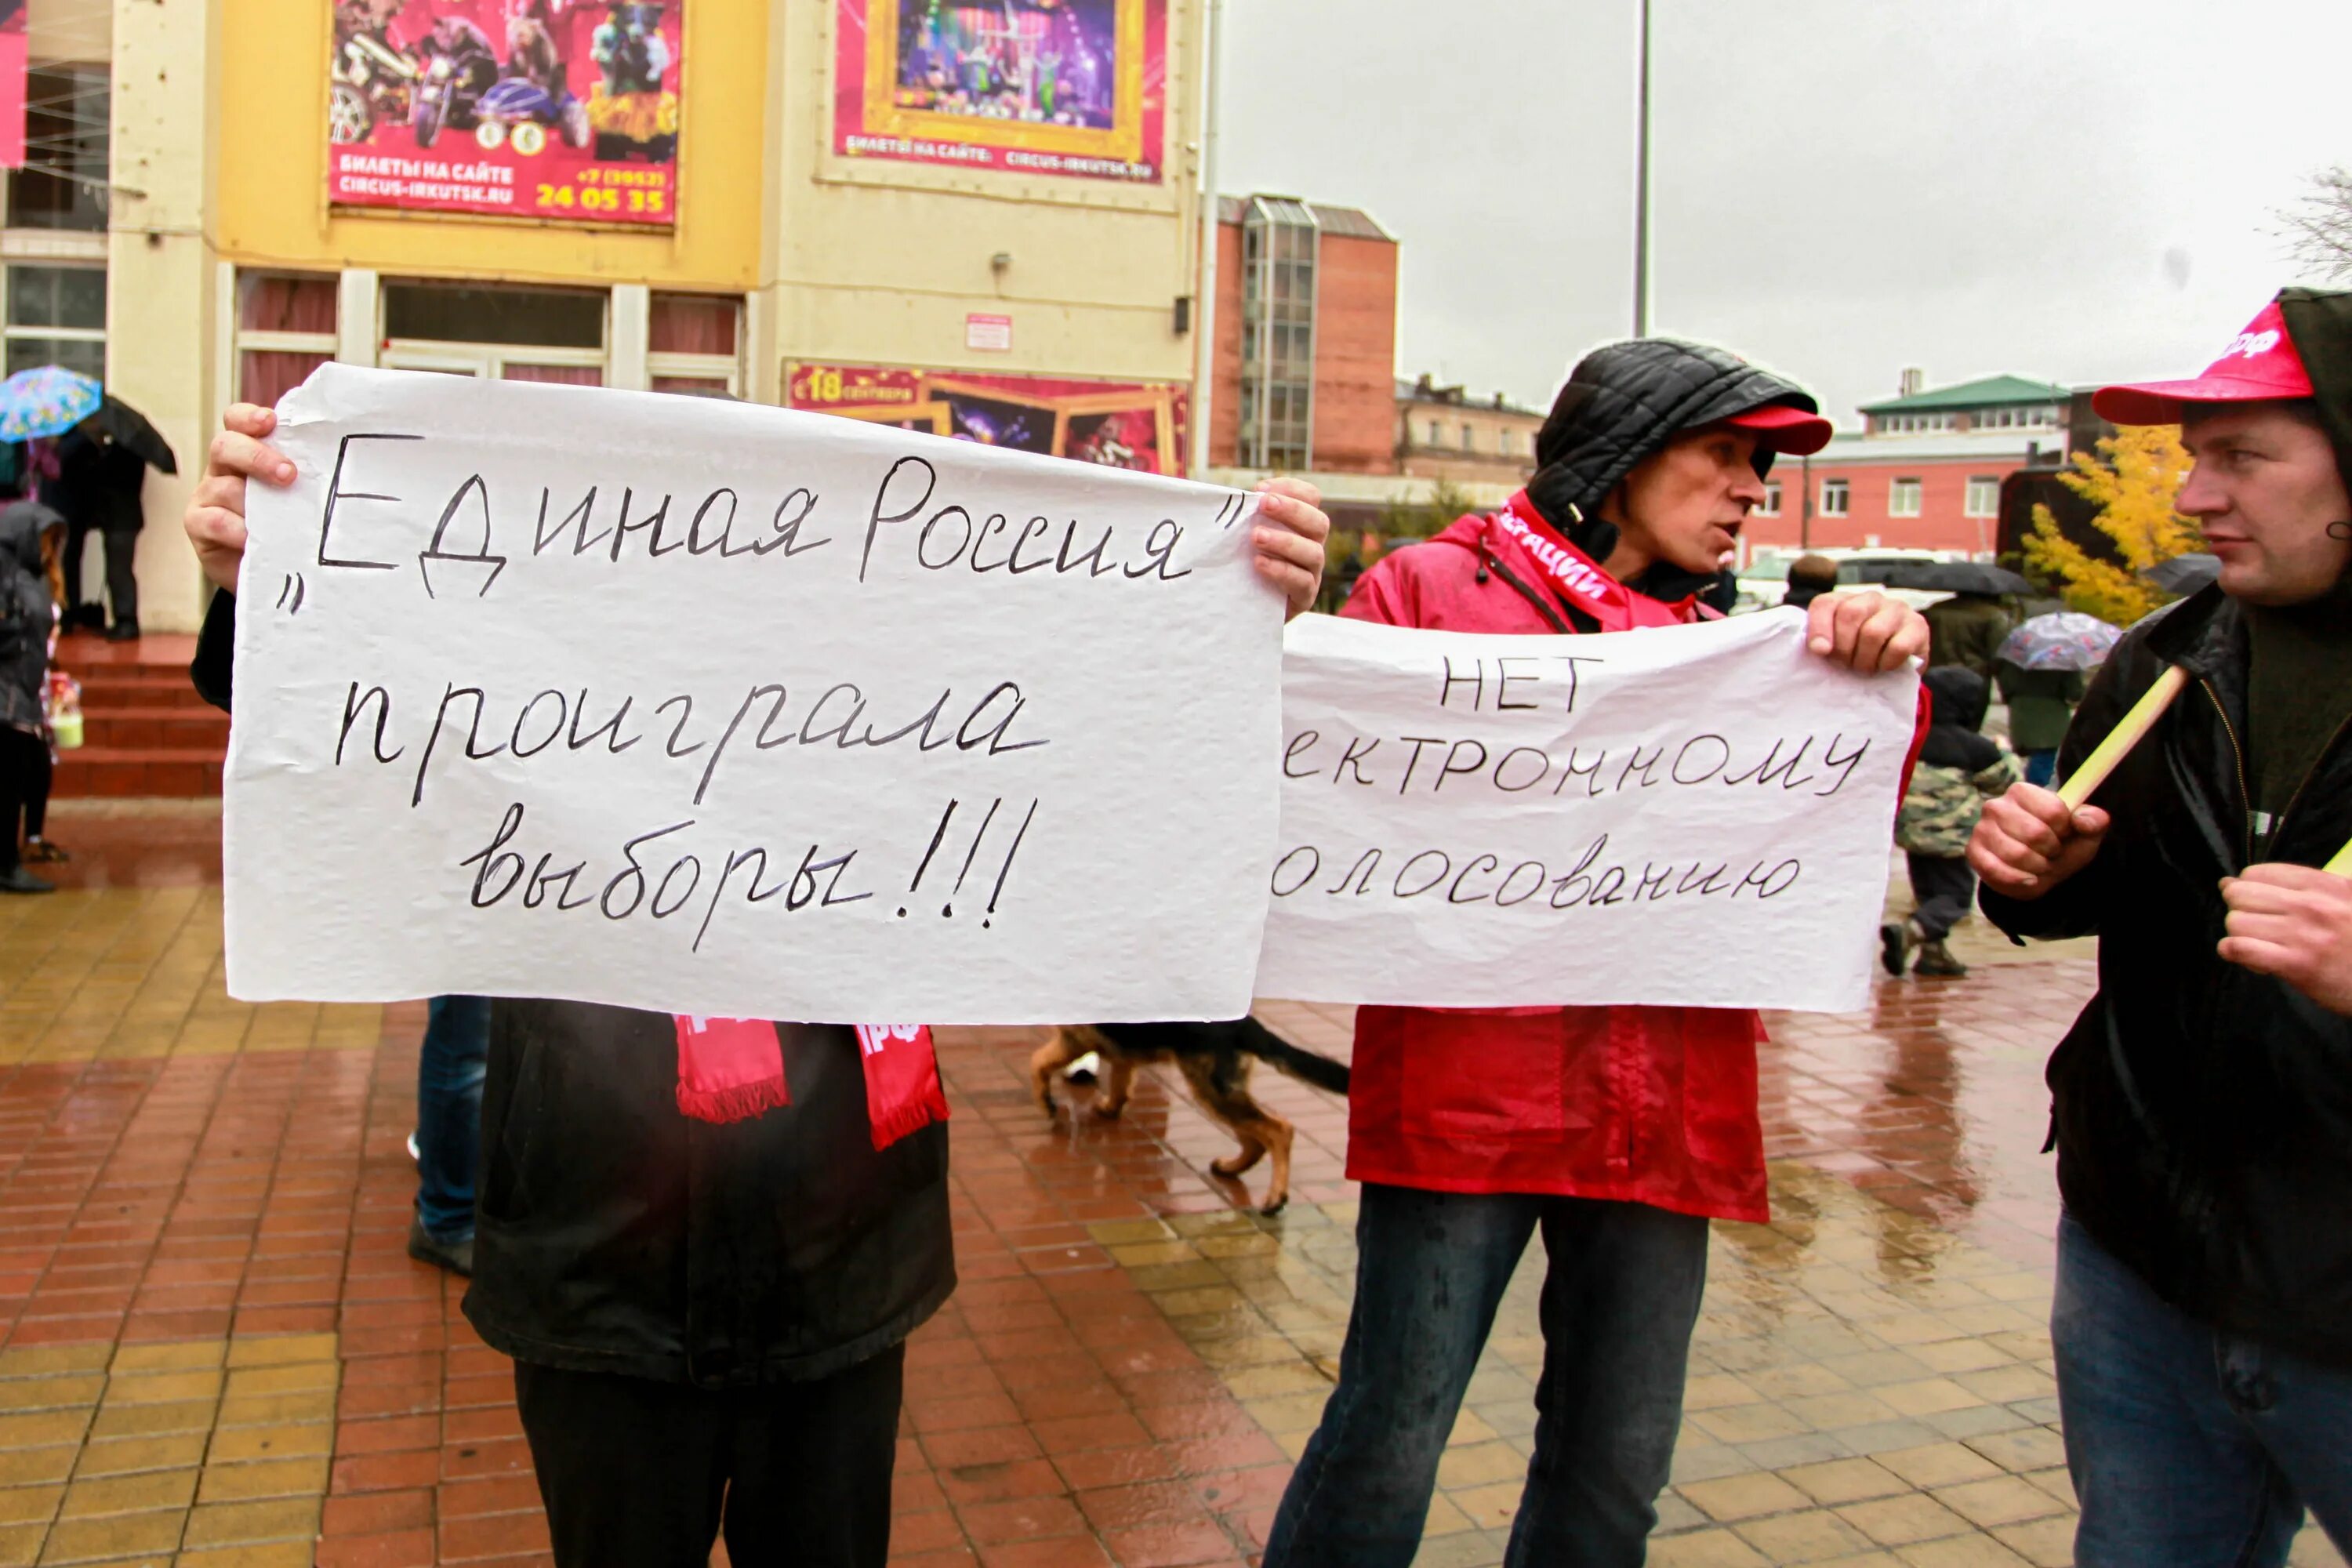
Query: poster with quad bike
(564, 109)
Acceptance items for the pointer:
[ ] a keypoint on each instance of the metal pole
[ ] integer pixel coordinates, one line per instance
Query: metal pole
(1805, 517)
(1642, 181)
(1204, 311)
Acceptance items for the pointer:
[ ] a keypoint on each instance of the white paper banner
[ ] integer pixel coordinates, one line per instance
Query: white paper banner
(712, 707)
(1698, 816)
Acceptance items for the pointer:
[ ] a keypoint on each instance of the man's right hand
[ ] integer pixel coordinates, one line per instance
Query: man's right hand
(216, 520)
(2028, 842)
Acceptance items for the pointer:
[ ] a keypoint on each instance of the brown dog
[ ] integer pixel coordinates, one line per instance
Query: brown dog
(1215, 1060)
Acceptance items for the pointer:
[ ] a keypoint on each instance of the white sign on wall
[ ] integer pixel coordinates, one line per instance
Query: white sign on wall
(1696, 815)
(712, 707)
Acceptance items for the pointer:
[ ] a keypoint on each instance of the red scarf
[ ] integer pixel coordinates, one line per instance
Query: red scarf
(1578, 578)
(731, 1069)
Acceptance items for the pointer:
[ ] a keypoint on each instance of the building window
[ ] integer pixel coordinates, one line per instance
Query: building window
(1984, 496)
(1507, 443)
(694, 344)
(1835, 498)
(505, 335)
(1280, 249)
(63, 181)
(1469, 438)
(1771, 507)
(1436, 434)
(57, 315)
(1903, 499)
(285, 329)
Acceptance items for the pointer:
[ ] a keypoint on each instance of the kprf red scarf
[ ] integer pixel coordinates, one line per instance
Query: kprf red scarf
(731, 1069)
(1579, 579)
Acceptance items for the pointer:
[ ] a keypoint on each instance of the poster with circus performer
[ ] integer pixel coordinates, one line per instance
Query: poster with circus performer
(1067, 88)
(1123, 425)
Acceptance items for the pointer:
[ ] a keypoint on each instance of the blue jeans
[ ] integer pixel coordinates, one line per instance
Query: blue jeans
(2191, 1446)
(1620, 1299)
(2040, 767)
(449, 1113)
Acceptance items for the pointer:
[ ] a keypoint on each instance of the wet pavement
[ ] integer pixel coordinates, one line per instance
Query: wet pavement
(217, 1351)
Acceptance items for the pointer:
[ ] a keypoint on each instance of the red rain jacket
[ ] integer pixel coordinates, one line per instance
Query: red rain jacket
(1652, 1105)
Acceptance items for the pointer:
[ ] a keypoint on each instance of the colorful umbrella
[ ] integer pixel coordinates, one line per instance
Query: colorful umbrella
(2067, 639)
(46, 402)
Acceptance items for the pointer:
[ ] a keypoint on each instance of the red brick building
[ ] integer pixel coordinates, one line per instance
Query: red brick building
(1924, 474)
(1306, 327)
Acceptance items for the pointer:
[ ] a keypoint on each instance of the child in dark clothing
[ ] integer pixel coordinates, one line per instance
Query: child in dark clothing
(1959, 769)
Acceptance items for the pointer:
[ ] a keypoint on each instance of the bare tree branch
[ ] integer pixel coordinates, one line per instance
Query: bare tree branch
(2318, 226)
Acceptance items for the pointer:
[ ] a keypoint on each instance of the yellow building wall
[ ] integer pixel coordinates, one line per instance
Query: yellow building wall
(878, 262)
(270, 167)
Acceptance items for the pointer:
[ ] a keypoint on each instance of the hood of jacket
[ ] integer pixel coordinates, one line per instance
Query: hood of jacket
(1623, 402)
(2320, 322)
(1957, 698)
(21, 525)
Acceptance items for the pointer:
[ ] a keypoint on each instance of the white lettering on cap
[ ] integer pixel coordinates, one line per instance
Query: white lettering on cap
(2252, 345)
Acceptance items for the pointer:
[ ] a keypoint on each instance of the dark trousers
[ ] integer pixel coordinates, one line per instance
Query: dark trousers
(449, 1070)
(1621, 1296)
(122, 584)
(639, 1474)
(1946, 890)
(24, 778)
(36, 798)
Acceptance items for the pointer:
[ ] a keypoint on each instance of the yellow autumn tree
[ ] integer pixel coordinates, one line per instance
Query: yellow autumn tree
(2133, 482)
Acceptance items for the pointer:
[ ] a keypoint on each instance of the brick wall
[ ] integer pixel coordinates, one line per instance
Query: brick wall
(1355, 354)
(1942, 522)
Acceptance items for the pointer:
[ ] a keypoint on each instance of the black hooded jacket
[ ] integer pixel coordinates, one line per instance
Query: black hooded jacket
(2203, 1112)
(1958, 696)
(25, 618)
(1623, 403)
(615, 1234)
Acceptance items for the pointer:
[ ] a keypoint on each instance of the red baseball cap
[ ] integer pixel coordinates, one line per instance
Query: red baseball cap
(2260, 365)
(1786, 429)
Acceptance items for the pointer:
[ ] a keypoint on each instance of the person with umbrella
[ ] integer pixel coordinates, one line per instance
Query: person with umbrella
(2202, 1103)
(1967, 628)
(2041, 669)
(101, 473)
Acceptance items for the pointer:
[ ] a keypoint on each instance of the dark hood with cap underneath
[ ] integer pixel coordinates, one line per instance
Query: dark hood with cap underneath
(1622, 404)
(2320, 322)
(21, 523)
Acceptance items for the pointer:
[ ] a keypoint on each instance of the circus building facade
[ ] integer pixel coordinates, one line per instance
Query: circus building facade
(978, 220)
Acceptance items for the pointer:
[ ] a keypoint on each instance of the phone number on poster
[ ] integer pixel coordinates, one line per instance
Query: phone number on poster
(585, 196)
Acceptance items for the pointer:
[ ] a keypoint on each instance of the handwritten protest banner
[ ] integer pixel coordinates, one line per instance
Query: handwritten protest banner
(714, 708)
(1698, 815)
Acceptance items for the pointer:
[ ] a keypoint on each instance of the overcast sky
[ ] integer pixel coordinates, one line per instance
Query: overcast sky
(2056, 188)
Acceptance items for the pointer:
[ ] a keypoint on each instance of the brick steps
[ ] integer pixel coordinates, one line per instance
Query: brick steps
(200, 729)
(145, 730)
(179, 772)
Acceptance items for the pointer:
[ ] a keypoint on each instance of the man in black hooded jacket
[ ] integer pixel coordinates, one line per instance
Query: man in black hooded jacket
(708, 1320)
(2202, 1103)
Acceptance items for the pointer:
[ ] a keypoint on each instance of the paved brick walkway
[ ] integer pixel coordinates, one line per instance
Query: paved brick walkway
(216, 1352)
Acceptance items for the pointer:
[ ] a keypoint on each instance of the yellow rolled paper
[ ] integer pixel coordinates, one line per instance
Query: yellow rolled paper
(2111, 752)
(2341, 864)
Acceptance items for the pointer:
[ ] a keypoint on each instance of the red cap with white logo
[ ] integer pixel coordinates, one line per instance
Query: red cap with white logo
(2260, 366)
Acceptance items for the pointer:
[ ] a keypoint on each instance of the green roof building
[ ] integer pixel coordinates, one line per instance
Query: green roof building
(1995, 402)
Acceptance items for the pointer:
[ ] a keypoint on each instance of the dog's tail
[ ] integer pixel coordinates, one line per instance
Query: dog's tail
(1308, 1067)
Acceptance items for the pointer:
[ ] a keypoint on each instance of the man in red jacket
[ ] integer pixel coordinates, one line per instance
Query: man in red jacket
(1629, 1127)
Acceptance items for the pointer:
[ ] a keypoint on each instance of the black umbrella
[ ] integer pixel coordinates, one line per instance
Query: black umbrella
(1957, 577)
(2184, 574)
(131, 431)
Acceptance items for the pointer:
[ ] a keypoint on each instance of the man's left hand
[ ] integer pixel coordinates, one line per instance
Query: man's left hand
(2294, 922)
(1291, 530)
(1870, 633)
